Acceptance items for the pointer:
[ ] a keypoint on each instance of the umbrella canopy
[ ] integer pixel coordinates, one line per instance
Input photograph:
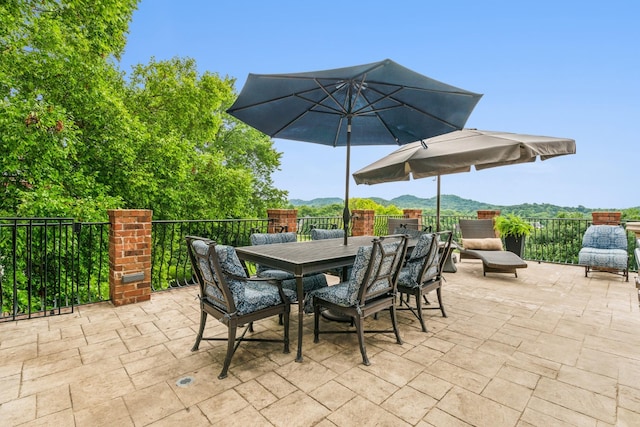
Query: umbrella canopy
(457, 152)
(381, 103)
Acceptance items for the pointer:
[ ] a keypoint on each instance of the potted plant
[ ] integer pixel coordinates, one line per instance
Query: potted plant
(513, 229)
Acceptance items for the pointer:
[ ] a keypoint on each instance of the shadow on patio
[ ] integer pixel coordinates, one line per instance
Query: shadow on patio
(548, 348)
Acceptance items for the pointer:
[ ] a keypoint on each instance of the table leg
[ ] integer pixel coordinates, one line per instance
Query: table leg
(300, 290)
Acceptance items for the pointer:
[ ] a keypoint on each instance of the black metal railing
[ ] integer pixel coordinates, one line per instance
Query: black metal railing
(170, 267)
(50, 265)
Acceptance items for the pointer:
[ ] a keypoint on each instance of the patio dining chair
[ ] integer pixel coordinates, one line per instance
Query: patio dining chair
(333, 233)
(227, 294)
(422, 273)
(371, 289)
(309, 282)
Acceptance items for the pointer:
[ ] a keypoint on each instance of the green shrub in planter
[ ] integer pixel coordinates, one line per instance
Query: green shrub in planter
(512, 225)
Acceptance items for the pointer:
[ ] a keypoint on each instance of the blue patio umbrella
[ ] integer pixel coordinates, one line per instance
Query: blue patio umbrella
(382, 103)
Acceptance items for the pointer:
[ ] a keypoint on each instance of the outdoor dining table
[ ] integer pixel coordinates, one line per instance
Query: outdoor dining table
(302, 258)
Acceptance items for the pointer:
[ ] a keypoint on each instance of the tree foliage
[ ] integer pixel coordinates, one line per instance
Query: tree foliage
(78, 137)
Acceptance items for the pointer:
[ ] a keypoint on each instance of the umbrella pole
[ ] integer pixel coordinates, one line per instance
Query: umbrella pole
(346, 215)
(438, 207)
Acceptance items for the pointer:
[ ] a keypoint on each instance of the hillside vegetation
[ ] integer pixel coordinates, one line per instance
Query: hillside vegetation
(452, 204)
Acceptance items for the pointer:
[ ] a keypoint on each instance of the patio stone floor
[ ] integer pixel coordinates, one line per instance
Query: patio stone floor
(549, 348)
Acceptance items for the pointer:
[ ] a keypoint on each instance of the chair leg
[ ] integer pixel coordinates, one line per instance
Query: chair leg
(231, 341)
(285, 318)
(316, 322)
(360, 331)
(394, 321)
(439, 294)
(203, 322)
(419, 311)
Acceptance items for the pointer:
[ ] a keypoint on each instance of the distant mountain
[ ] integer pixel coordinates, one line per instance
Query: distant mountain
(323, 201)
(453, 203)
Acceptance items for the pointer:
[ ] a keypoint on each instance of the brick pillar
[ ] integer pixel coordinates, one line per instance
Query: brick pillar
(607, 218)
(362, 222)
(129, 255)
(490, 214)
(414, 213)
(280, 218)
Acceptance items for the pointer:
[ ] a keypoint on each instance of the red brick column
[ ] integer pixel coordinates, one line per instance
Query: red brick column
(414, 213)
(129, 255)
(489, 214)
(362, 222)
(282, 218)
(607, 218)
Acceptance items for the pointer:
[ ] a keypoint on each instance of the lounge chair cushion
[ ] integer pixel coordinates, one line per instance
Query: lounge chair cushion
(486, 244)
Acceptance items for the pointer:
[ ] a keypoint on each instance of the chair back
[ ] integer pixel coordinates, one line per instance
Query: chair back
(605, 237)
(445, 238)
(214, 267)
(401, 225)
(477, 228)
(271, 238)
(422, 264)
(376, 268)
(323, 233)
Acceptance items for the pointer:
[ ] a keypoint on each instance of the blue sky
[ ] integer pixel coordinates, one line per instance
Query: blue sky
(554, 68)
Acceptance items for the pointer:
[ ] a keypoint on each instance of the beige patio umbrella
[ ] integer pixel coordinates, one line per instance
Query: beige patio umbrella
(457, 152)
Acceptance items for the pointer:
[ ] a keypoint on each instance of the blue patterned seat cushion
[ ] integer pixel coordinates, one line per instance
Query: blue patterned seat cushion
(320, 234)
(409, 274)
(346, 293)
(604, 246)
(605, 237)
(248, 296)
(413, 234)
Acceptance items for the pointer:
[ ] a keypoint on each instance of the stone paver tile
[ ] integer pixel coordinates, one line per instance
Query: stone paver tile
(534, 364)
(9, 388)
(253, 367)
(588, 380)
(477, 410)
(95, 352)
(50, 363)
(145, 341)
(54, 400)
(472, 328)
(497, 348)
(629, 398)
(61, 346)
(245, 417)
(256, 394)
(599, 362)
(409, 404)
(439, 344)
(518, 376)
(627, 418)
(204, 384)
(104, 336)
(618, 348)
(152, 404)
(430, 385)
(364, 413)
(393, 368)
(558, 349)
(332, 395)
(541, 412)
(366, 384)
(542, 321)
(89, 391)
(629, 372)
(18, 411)
(62, 418)
(508, 393)
(485, 364)
(307, 376)
(189, 417)
(276, 384)
(141, 360)
(175, 369)
(438, 418)
(461, 339)
(296, 409)
(107, 413)
(222, 406)
(575, 329)
(580, 400)
(459, 376)
(423, 355)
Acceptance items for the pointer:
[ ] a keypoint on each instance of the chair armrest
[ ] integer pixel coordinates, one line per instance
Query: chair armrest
(267, 280)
